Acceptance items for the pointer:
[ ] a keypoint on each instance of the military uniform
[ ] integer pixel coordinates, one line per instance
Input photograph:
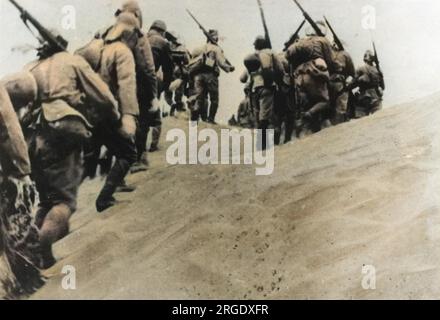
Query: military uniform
(206, 82)
(71, 98)
(164, 63)
(19, 239)
(312, 59)
(174, 97)
(118, 70)
(265, 71)
(371, 86)
(344, 68)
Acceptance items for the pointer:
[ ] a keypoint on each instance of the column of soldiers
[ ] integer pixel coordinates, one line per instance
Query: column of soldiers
(59, 112)
(307, 87)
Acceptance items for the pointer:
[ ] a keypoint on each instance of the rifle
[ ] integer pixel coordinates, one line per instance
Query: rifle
(266, 29)
(205, 32)
(310, 20)
(295, 36)
(376, 60)
(48, 39)
(335, 36)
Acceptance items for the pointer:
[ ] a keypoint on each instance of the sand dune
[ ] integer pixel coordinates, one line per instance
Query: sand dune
(363, 193)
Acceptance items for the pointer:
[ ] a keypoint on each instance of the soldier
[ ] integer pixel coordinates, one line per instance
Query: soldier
(19, 239)
(371, 86)
(164, 62)
(338, 81)
(285, 104)
(70, 99)
(181, 57)
(312, 59)
(118, 70)
(265, 71)
(245, 116)
(206, 81)
(147, 86)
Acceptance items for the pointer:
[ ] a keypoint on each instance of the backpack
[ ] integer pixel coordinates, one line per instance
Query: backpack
(92, 52)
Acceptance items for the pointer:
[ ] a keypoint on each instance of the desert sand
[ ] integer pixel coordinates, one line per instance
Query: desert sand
(362, 193)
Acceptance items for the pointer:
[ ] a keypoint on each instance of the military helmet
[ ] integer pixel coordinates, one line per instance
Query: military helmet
(252, 62)
(125, 22)
(133, 7)
(159, 25)
(22, 88)
(213, 32)
(369, 56)
(261, 43)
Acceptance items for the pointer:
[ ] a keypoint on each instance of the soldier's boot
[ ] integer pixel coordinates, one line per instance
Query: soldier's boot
(125, 188)
(105, 199)
(54, 228)
(262, 135)
(290, 127)
(155, 139)
(142, 164)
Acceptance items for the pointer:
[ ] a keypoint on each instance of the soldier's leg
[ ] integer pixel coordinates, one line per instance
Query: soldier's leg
(122, 144)
(376, 106)
(156, 132)
(178, 97)
(200, 97)
(213, 89)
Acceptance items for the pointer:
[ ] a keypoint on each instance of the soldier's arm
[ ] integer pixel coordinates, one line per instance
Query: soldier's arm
(14, 156)
(221, 60)
(126, 78)
(145, 65)
(167, 65)
(96, 90)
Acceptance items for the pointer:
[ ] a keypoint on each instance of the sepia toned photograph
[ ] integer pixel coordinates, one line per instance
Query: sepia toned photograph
(251, 150)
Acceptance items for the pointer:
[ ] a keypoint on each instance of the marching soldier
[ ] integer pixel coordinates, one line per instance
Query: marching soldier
(181, 57)
(265, 71)
(312, 59)
(70, 99)
(344, 70)
(206, 82)
(164, 63)
(118, 70)
(371, 85)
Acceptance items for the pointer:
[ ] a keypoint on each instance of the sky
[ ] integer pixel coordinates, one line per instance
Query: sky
(405, 34)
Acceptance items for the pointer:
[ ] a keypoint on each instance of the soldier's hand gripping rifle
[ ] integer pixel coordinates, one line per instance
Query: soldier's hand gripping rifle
(266, 29)
(294, 37)
(47, 39)
(205, 32)
(336, 39)
(376, 60)
(310, 20)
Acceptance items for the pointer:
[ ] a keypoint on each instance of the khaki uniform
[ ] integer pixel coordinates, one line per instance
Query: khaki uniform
(370, 83)
(206, 82)
(312, 58)
(118, 70)
(175, 98)
(344, 69)
(18, 234)
(68, 89)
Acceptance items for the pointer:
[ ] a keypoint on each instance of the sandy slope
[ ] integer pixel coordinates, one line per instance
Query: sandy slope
(362, 193)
